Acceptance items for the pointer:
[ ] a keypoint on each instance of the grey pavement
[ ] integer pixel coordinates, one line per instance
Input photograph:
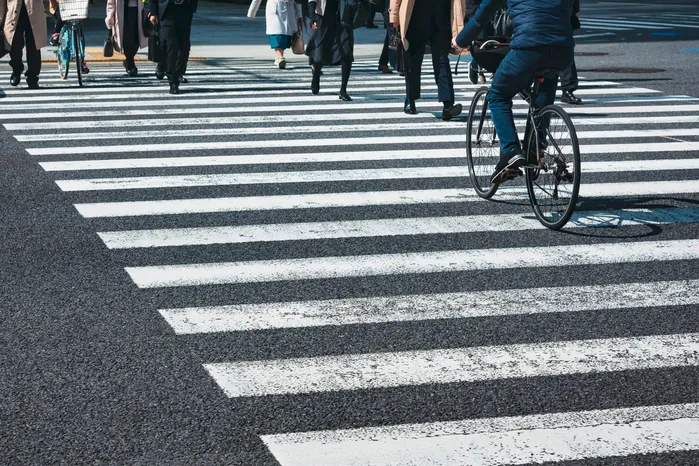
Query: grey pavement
(260, 186)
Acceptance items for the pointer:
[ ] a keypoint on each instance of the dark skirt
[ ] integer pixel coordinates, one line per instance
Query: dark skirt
(331, 43)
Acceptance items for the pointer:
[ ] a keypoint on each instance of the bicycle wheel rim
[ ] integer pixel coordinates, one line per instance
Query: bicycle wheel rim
(63, 52)
(78, 56)
(553, 189)
(482, 147)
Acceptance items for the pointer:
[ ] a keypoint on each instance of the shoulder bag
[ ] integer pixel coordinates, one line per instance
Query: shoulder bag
(108, 50)
(297, 44)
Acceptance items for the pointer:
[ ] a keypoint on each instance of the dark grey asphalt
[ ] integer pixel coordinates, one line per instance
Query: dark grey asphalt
(90, 373)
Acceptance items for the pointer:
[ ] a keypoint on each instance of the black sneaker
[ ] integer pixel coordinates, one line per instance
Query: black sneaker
(569, 98)
(174, 88)
(15, 79)
(508, 168)
(473, 72)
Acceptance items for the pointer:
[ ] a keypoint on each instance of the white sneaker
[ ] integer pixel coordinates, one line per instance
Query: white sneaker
(280, 62)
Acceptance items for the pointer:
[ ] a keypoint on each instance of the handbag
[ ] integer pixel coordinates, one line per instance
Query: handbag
(394, 38)
(108, 50)
(401, 59)
(155, 52)
(297, 45)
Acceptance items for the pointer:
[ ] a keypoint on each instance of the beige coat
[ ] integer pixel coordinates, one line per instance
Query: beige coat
(115, 21)
(9, 15)
(401, 11)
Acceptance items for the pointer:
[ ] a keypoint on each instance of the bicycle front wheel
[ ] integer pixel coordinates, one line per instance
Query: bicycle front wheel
(79, 54)
(482, 147)
(553, 188)
(63, 54)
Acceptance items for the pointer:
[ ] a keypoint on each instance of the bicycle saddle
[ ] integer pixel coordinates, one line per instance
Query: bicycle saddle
(548, 73)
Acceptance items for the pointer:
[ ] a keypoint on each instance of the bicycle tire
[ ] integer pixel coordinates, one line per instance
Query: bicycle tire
(78, 55)
(557, 164)
(479, 168)
(63, 53)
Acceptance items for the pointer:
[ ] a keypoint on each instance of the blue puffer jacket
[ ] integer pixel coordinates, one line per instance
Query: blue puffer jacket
(535, 22)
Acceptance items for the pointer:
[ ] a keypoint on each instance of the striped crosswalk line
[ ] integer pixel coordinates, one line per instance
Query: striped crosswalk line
(248, 183)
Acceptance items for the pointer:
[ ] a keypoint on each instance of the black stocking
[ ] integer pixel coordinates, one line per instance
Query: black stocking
(346, 70)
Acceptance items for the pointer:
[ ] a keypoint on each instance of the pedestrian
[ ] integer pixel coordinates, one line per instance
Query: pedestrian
(175, 19)
(386, 52)
(374, 6)
(55, 10)
(284, 19)
(420, 22)
(124, 22)
(332, 43)
(24, 24)
(569, 75)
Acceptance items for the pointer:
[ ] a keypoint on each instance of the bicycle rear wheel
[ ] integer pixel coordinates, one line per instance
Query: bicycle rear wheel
(482, 147)
(79, 53)
(64, 52)
(553, 188)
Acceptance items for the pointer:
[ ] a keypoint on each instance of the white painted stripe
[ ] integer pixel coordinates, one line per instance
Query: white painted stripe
(299, 95)
(645, 24)
(224, 121)
(384, 227)
(617, 25)
(329, 128)
(541, 438)
(321, 107)
(410, 263)
(405, 141)
(305, 157)
(585, 36)
(317, 176)
(406, 368)
(359, 199)
(412, 308)
(297, 82)
(596, 26)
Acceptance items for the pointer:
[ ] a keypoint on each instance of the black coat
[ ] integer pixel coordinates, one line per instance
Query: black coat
(158, 7)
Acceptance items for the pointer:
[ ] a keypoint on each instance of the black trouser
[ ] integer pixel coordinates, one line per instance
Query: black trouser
(440, 62)
(175, 29)
(24, 33)
(130, 37)
(569, 78)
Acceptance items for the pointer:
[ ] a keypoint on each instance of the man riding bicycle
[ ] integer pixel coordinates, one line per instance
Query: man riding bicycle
(543, 39)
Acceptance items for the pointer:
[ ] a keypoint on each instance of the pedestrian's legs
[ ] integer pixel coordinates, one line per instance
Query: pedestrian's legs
(184, 32)
(569, 78)
(383, 60)
(169, 43)
(416, 53)
(17, 46)
(130, 53)
(442, 77)
(346, 70)
(33, 55)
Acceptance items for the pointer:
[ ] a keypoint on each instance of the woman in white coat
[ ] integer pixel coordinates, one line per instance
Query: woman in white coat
(124, 21)
(284, 19)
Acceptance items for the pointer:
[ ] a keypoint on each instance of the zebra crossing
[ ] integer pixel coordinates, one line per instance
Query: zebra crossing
(247, 206)
(639, 22)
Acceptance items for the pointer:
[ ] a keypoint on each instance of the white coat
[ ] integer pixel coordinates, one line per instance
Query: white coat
(115, 22)
(281, 16)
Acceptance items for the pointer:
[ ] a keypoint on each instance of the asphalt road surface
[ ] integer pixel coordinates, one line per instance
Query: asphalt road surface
(246, 274)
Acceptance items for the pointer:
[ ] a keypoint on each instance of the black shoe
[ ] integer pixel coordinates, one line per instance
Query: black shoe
(133, 72)
(14, 79)
(569, 98)
(345, 97)
(159, 74)
(315, 83)
(34, 84)
(409, 107)
(174, 88)
(508, 168)
(385, 69)
(183, 80)
(450, 112)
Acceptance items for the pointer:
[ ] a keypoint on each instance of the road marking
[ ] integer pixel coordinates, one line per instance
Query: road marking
(414, 308)
(340, 142)
(616, 25)
(321, 107)
(375, 265)
(589, 25)
(360, 199)
(457, 365)
(643, 24)
(539, 438)
(329, 128)
(319, 176)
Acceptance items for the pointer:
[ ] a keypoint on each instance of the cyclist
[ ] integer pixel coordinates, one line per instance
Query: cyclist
(543, 39)
(59, 23)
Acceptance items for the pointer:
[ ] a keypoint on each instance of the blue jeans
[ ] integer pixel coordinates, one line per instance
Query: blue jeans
(516, 72)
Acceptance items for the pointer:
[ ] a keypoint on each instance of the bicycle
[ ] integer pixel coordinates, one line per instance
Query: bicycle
(72, 40)
(552, 171)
